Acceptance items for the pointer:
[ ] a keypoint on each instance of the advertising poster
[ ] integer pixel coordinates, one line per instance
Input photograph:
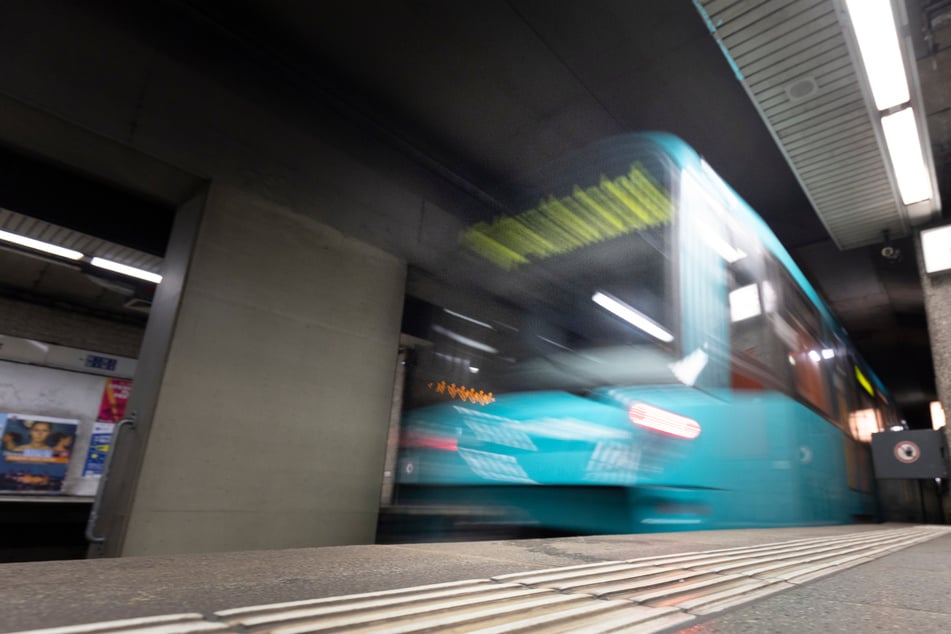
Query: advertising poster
(98, 449)
(114, 398)
(35, 452)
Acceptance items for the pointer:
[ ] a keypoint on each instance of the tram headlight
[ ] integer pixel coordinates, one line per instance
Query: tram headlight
(663, 421)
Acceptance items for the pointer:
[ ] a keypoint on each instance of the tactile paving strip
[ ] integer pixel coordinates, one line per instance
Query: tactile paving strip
(638, 595)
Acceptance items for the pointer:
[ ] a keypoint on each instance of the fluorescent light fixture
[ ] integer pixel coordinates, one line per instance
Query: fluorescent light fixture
(904, 148)
(466, 341)
(39, 245)
(936, 248)
(472, 320)
(631, 316)
(814, 356)
(744, 303)
(874, 26)
(828, 353)
(937, 415)
(131, 271)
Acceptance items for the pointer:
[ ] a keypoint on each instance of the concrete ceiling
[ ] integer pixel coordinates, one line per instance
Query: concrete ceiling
(488, 90)
(492, 89)
(74, 285)
(800, 63)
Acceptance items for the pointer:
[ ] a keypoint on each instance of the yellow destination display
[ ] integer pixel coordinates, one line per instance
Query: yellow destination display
(559, 225)
(462, 392)
(864, 382)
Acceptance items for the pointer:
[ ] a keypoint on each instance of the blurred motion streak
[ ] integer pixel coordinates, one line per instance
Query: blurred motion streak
(532, 406)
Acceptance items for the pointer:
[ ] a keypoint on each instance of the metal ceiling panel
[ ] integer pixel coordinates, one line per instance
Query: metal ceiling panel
(794, 60)
(88, 245)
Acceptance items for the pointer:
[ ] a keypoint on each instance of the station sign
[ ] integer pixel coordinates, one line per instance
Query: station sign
(911, 454)
(906, 451)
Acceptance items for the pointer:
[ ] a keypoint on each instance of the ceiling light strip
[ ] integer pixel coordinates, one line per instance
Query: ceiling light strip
(39, 245)
(131, 271)
(877, 35)
(904, 147)
(874, 25)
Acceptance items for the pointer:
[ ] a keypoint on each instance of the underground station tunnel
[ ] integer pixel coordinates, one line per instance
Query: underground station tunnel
(507, 316)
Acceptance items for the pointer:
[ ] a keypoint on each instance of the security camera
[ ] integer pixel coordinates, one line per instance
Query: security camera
(890, 252)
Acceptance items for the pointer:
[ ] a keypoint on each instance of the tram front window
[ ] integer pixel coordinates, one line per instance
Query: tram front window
(601, 315)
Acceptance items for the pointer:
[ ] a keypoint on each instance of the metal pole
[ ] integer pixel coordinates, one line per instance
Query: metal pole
(94, 513)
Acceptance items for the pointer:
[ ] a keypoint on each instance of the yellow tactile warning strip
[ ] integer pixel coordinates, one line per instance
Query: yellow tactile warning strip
(638, 595)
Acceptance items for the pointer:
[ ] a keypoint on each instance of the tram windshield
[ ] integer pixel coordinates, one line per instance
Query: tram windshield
(572, 294)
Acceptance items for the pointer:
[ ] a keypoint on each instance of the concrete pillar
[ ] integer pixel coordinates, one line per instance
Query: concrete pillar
(270, 420)
(937, 291)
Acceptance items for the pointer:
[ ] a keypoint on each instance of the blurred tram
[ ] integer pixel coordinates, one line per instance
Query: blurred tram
(634, 351)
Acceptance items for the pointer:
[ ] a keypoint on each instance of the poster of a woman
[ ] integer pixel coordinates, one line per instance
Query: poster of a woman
(35, 452)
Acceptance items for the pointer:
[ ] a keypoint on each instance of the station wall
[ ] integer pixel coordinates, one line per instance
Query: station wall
(937, 292)
(270, 420)
(30, 389)
(937, 289)
(270, 427)
(67, 328)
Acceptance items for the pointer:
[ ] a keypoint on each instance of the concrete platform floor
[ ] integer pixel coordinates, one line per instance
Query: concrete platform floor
(907, 590)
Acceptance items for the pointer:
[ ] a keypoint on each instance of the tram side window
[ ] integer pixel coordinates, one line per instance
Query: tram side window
(812, 365)
(865, 421)
(866, 417)
(871, 413)
(757, 354)
(889, 414)
(843, 386)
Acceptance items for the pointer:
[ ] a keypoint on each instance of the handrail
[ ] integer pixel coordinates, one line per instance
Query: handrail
(94, 513)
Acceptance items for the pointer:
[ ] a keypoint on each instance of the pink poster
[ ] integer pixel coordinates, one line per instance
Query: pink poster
(114, 398)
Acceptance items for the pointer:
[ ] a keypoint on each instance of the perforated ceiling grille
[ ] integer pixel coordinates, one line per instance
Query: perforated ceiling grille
(794, 61)
(40, 230)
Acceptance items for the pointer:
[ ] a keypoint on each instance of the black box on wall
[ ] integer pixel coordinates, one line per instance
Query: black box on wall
(910, 454)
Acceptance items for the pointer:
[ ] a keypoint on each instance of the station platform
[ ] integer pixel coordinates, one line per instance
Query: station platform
(858, 578)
